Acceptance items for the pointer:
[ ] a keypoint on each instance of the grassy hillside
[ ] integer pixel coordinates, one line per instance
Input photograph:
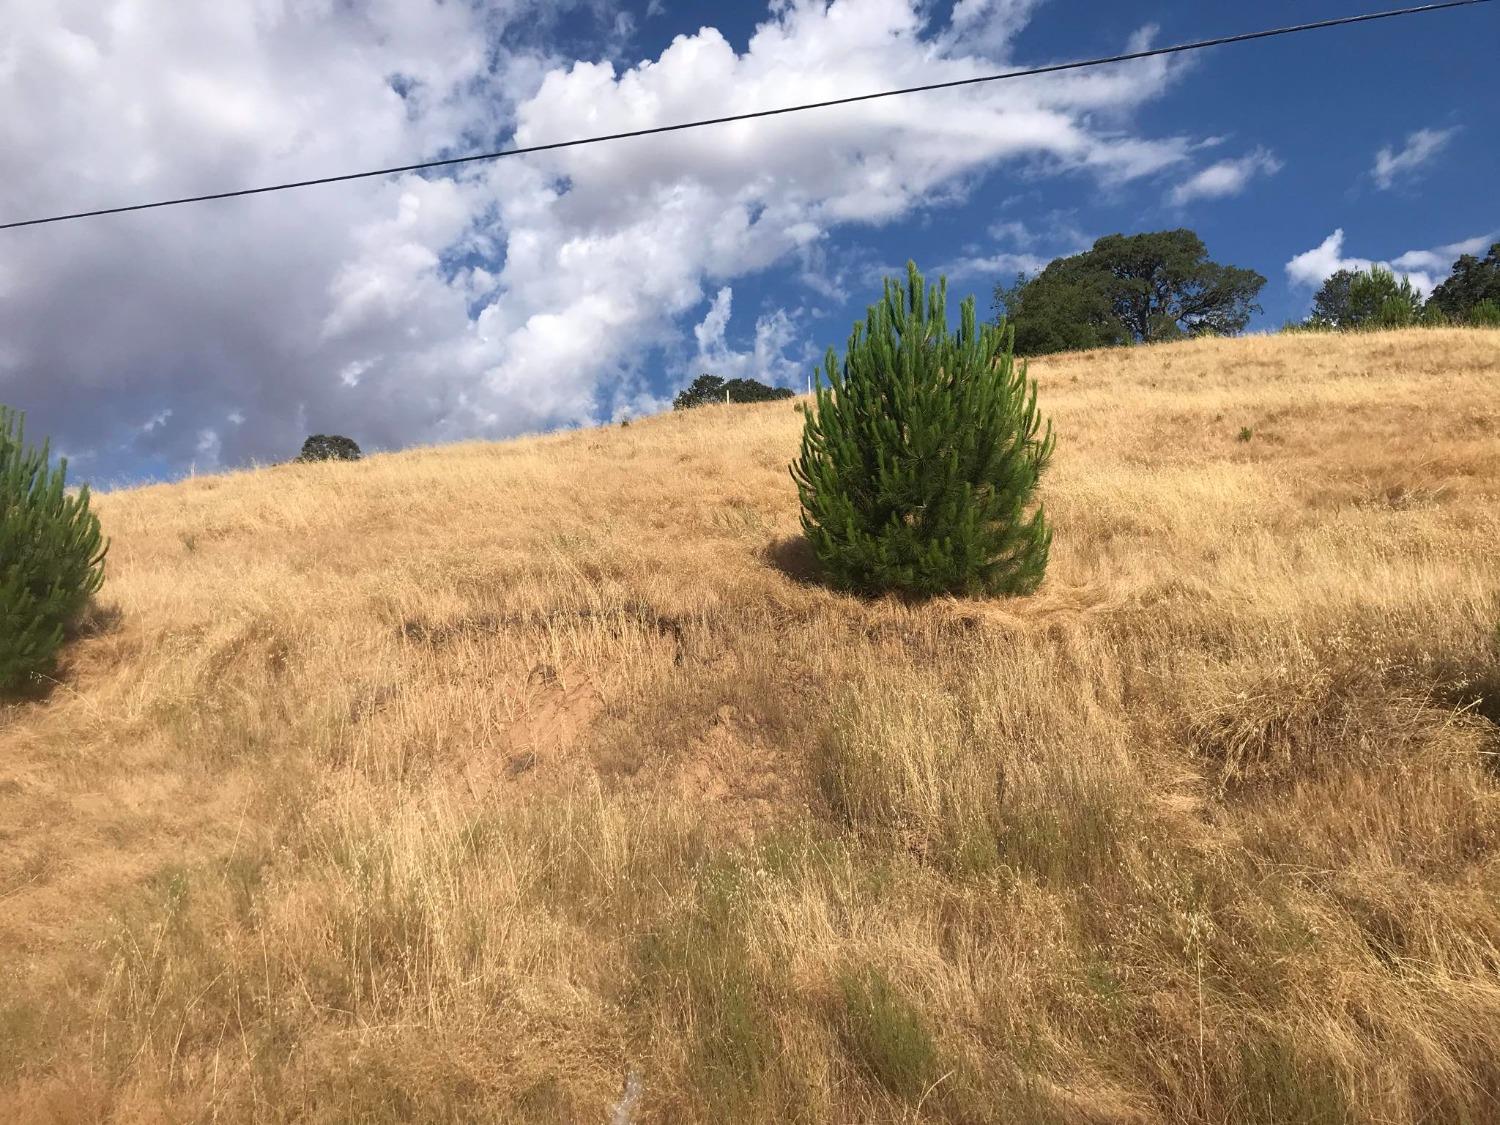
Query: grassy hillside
(536, 782)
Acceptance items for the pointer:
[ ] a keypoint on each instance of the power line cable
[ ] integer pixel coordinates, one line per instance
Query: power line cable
(1054, 68)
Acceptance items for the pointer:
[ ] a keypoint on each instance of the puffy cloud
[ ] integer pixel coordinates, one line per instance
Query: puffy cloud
(512, 296)
(777, 357)
(1227, 177)
(1441, 260)
(638, 227)
(253, 309)
(1392, 165)
(1012, 230)
(1423, 268)
(988, 26)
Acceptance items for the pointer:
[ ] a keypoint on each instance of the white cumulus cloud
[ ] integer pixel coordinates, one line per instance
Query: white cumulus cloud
(1392, 165)
(1227, 177)
(506, 297)
(775, 358)
(1425, 269)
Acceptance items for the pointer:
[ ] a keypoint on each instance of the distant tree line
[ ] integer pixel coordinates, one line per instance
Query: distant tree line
(1376, 298)
(706, 389)
(1162, 285)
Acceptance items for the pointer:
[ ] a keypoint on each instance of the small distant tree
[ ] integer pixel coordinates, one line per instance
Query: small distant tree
(329, 447)
(921, 457)
(51, 555)
(707, 389)
(1472, 282)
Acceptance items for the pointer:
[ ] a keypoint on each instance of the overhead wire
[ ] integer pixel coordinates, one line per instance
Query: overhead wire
(553, 146)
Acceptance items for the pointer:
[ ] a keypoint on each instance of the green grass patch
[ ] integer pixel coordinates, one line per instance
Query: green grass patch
(885, 1035)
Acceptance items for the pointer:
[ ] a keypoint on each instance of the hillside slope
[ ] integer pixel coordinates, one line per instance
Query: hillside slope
(539, 780)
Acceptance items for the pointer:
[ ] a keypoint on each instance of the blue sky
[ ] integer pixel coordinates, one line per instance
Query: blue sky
(1324, 103)
(528, 295)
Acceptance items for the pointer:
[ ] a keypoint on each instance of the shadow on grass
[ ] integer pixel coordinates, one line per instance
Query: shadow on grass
(793, 556)
(96, 620)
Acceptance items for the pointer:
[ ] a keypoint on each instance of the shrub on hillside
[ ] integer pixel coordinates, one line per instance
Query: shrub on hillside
(1433, 317)
(329, 447)
(921, 457)
(1368, 298)
(707, 389)
(885, 1034)
(1383, 300)
(1486, 314)
(51, 555)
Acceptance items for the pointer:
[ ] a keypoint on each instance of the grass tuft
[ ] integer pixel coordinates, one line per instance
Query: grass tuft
(885, 1035)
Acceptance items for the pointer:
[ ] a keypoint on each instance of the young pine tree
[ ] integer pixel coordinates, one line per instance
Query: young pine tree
(921, 457)
(51, 555)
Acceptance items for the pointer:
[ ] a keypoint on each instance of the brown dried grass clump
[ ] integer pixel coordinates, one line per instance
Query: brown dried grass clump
(542, 781)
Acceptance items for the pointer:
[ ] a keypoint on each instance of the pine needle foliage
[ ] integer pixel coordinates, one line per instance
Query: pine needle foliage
(51, 555)
(921, 455)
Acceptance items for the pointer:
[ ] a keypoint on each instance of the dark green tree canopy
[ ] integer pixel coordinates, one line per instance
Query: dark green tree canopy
(921, 457)
(1143, 288)
(702, 390)
(329, 447)
(1067, 307)
(706, 389)
(1473, 281)
(1332, 307)
(749, 390)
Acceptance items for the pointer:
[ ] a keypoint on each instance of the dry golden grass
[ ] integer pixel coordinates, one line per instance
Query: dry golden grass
(534, 782)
